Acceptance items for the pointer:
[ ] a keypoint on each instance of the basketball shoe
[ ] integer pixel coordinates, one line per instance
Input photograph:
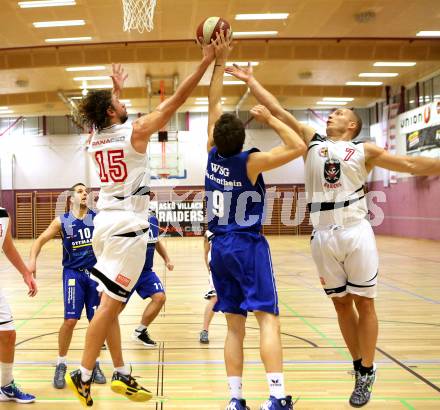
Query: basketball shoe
(11, 392)
(80, 388)
(129, 387)
(277, 404)
(144, 338)
(237, 404)
(363, 388)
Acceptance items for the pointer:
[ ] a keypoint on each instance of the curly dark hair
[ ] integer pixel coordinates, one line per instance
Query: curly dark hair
(229, 135)
(93, 108)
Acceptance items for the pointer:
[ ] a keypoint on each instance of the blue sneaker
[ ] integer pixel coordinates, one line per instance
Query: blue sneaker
(11, 392)
(278, 404)
(237, 404)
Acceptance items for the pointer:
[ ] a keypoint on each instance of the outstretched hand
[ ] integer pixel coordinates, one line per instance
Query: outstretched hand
(118, 77)
(208, 51)
(260, 113)
(222, 45)
(242, 73)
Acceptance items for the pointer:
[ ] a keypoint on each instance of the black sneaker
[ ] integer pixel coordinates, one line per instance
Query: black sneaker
(363, 388)
(60, 374)
(144, 338)
(129, 387)
(80, 388)
(98, 375)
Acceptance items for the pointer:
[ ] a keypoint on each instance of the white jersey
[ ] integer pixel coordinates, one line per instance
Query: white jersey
(335, 175)
(4, 222)
(124, 172)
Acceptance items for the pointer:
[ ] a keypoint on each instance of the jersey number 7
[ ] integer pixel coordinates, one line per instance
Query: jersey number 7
(114, 167)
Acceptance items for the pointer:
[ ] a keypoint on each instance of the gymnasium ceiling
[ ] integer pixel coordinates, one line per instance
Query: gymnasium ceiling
(322, 45)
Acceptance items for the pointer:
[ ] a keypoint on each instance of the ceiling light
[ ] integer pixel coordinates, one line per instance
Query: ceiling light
(45, 3)
(89, 68)
(254, 33)
(337, 99)
(264, 16)
(332, 103)
(61, 23)
(428, 33)
(98, 86)
(125, 101)
(6, 112)
(378, 74)
(371, 83)
(4, 108)
(65, 39)
(394, 64)
(92, 78)
(76, 98)
(234, 82)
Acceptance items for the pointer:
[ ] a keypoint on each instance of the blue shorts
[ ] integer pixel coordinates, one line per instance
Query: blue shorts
(147, 285)
(79, 291)
(241, 268)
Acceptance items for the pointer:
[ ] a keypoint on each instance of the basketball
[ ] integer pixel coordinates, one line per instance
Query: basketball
(209, 27)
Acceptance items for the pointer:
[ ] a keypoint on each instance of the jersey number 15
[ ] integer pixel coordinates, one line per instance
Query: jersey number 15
(113, 166)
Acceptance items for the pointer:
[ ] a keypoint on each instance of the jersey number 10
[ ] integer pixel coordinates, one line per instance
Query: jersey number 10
(113, 167)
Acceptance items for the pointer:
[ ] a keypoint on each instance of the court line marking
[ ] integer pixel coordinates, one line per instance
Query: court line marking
(408, 292)
(403, 366)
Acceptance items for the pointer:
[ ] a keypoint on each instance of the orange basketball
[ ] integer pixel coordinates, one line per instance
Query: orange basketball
(209, 27)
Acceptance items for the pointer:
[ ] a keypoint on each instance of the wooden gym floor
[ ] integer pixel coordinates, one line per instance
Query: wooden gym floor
(187, 375)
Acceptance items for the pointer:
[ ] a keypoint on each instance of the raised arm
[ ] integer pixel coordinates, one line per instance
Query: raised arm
(146, 125)
(222, 46)
(162, 251)
(14, 257)
(50, 233)
(376, 156)
(293, 146)
(267, 99)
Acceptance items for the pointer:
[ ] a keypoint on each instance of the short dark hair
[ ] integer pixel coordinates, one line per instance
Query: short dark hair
(358, 121)
(229, 135)
(72, 188)
(93, 108)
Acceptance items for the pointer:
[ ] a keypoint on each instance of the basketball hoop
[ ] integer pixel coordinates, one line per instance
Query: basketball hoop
(163, 175)
(138, 14)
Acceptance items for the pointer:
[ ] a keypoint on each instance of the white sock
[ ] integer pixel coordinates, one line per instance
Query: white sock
(276, 385)
(7, 376)
(140, 328)
(235, 387)
(86, 374)
(62, 359)
(125, 370)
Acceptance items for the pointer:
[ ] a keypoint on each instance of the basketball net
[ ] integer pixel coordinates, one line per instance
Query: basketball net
(138, 15)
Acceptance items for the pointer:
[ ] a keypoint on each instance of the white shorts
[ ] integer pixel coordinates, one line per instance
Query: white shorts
(347, 259)
(6, 319)
(120, 242)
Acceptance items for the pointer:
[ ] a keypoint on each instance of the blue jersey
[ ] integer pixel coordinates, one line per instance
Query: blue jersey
(153, 237)
(77, 241)
(233, 203)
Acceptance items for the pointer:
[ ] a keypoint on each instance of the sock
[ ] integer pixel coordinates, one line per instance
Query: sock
(62, 359)
(86, 374)
(7, 376)
(366, 370)
(125, 370)
(357, 364)
(235, 387)
(276, 385)
(140, 328)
